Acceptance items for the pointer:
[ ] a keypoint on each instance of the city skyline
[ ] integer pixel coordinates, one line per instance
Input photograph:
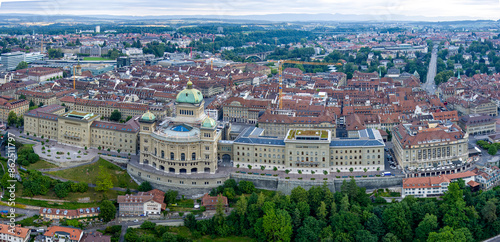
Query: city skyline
(381, 10)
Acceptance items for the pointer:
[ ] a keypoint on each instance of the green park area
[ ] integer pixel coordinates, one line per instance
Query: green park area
(89, 174)
(41, 164)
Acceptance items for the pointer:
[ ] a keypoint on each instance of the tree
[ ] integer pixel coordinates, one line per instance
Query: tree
(246, 187)
(145, 187)
(103, 182)
(61, 190)
(148, 225)
(275, 168)
(427, 225)
(396, 221)
(128, 118)
(489, 212)
(20, 121)
(12, 118)
(449, 234)
(262, 168)
(32, 104)
(108, 210)
(22, 96)
(325, 172)
(21, 65)
(277, 225)
(249, 167)
(115, 116)
(171, 196)
(298, 194)
(190, 222)
(492, 150)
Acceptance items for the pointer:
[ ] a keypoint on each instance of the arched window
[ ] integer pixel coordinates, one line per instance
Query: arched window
(172, 156)
(155, 151)
(193, 156)
(162, 154)
(183, 156)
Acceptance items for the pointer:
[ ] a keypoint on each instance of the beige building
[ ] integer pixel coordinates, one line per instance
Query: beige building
(105, 108)
(185, 144)
(7, 105)
(477, 106)
(476, 124)
(47, 98)
(429, 145)
(82, 129)
(309, 150)
(239, 110)
(278, 125)
(54, 213)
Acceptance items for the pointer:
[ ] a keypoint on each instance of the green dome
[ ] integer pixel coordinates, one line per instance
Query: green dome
(189, 95)
(208, 123)
(148, 116)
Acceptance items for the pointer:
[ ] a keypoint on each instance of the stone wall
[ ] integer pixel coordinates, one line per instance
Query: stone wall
(286, 186)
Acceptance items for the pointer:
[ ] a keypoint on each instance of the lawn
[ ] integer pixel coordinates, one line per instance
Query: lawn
(73, 196)
(89, 173)
(41, 164)
(95, 58)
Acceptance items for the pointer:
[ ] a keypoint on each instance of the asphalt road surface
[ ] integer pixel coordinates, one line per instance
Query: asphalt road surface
(430, 85)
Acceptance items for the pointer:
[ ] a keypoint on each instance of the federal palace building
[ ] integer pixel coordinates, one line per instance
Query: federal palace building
(184, 151)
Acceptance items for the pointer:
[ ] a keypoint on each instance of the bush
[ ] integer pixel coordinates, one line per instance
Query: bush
(145, 186)
(148, 225)
(287, 177)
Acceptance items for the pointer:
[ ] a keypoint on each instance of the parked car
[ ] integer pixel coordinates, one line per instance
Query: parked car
(393, 167)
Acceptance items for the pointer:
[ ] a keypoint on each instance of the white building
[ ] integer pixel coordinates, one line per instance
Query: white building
(132, 51)
(19, 235)
(433, 185)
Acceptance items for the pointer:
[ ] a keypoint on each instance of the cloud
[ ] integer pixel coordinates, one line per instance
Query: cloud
(476, 9)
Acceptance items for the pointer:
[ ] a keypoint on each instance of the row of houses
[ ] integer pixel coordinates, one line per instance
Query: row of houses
(479, 178)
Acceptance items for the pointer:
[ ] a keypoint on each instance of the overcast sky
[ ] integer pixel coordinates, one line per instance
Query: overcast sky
(471, 9)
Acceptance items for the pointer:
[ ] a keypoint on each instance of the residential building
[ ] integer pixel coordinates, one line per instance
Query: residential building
(211, 202)
(434, 185)
(55, 213)
(476, 124)
(488, 177)
(142, 204)
(7, 105)
(40, 74)
(59, 233)
(16, 234)
(429, 145)
(46, 98)
(95, 237)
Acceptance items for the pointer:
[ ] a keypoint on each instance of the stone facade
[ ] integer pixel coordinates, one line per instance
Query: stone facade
(82, 129)
(310, 151)
(7, 105)
(429, 145)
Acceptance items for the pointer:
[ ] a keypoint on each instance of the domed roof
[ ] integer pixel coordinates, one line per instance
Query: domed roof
(148, 116)
(189, 95)
(208, 123)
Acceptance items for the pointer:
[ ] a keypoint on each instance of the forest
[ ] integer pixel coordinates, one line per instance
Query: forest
(346, 215)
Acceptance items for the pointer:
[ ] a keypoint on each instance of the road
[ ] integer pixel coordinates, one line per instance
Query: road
(429, 85)
(27, 212)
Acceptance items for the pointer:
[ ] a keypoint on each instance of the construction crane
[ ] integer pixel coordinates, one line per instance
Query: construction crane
(280, 72)
(191, 50)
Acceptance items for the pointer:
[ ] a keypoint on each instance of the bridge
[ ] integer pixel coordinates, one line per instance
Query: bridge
(261, 55)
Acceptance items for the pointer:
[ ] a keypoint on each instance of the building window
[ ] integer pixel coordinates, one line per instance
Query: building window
(172, 156)
(183, 157)
(193, 156)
